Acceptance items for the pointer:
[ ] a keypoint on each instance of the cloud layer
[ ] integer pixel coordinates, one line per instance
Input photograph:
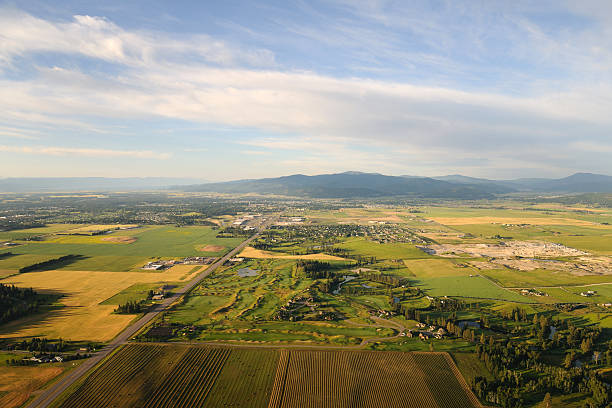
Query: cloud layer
(327, 122)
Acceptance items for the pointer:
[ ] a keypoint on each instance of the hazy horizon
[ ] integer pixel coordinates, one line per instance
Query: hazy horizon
(234, 90)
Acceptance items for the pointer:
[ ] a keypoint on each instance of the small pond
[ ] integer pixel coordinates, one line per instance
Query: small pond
(244, 272)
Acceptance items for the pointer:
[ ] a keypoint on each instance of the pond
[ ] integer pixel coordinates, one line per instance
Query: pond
(244, 272)
(346, 279)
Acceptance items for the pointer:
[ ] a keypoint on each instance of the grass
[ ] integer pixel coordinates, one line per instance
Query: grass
(134, 293)
(471, 367)
(539, 278)
(17, 261)
(474, 287)
(432, 268)
(33, 232)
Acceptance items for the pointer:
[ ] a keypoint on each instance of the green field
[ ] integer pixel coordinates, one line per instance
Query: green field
(469, 287)
(151, 242)
(540, 278)
(382, 251)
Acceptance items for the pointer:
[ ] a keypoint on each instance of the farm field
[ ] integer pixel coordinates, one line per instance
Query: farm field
(129, 252)
(429, 268)
(469, 287)
(250, 252)
(86, 311)
(181, 376)
(368, 379)
(18, 383)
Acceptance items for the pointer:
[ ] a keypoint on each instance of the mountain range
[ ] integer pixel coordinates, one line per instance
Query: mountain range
(98, 184)
(357, 184)
(340, 185)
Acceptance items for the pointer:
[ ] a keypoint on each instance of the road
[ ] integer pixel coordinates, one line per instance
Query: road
(49, 395)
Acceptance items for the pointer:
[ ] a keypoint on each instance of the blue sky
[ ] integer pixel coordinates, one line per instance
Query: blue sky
(243, 89)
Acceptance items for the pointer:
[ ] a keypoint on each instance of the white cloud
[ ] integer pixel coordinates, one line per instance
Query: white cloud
(86, 152)
(332, 120)
(96, 37)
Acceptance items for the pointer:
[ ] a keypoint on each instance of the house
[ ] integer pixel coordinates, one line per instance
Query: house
(588, 293)
(153, 266)
(424, 335)
(159, 296)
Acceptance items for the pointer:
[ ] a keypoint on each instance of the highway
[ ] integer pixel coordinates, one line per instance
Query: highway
(49, 395)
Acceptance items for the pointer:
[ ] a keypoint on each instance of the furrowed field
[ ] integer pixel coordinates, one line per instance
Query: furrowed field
(186, 376)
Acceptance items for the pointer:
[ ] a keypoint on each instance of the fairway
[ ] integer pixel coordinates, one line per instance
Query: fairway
(187, 376)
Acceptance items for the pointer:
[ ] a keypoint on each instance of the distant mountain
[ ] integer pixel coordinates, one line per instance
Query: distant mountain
(94, 184)
(493, 186)
(458, 178)
(342, 185)
(576, 183)
(346, 185)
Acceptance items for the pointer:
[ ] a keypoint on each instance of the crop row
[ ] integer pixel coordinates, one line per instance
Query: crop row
(188, 383)
(108, 380)
(365, 379)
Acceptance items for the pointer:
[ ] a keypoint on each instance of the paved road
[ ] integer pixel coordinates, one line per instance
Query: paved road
(47, 396)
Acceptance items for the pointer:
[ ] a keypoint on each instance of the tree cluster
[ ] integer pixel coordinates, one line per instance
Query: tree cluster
(17, 302)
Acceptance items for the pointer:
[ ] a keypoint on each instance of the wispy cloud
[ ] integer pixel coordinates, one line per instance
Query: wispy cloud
(87, 152)
(97, 37)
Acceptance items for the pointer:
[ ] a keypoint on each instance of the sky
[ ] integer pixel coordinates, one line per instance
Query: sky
(222, 90)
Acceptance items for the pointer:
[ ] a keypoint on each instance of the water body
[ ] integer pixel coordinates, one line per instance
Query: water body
(346, 279)
(244, 272)
(473, 325)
